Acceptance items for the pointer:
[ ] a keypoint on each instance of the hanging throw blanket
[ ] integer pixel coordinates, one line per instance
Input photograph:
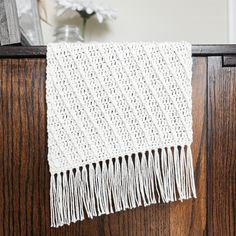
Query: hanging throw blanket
(119, 127)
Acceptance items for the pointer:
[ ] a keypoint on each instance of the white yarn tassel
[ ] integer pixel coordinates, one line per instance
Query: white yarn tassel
(165, 176)
(116, 182)
(131, 184)
(98, 190)
(110, 176)
(190, 171)
(79, 193)
(126, 182)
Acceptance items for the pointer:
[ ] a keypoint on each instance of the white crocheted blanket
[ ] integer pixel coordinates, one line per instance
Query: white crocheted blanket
(119, 127)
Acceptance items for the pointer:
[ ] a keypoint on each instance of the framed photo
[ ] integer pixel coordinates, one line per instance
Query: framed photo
(9, 23)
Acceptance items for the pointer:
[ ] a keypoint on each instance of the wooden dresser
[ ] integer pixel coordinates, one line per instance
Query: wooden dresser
(24, 172)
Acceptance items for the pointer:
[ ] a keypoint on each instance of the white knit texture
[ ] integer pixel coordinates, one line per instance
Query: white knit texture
(107, 101)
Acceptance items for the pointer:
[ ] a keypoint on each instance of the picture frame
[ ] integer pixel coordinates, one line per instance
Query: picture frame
(9, 23)
(29, 21)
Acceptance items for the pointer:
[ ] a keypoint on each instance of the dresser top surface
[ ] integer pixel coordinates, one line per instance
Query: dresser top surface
(40, 51)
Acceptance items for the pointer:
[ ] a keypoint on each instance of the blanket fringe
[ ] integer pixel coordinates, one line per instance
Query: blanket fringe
(164, 175)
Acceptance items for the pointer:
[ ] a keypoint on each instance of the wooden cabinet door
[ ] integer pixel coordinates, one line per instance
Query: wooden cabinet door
(221, 160)
(24, 172)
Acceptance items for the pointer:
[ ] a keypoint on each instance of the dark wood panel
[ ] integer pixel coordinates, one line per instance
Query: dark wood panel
(23, 169)
(221, 149)
(229, 61)
(24, 173)
(189, 217)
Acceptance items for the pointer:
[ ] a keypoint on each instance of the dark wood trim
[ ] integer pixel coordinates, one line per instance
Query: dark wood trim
(23, 51)
(213, 49)
(229, 61)
(40, 51)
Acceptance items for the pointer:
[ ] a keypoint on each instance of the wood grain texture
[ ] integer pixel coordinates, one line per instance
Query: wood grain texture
(221, 148)
(24, 172)
(23, 168)
(189, 217)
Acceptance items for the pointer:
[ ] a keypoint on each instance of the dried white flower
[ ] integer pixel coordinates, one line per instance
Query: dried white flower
(86, 8)
(105, 13)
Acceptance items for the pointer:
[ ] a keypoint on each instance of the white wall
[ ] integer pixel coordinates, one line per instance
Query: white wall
(197, 21)
(232, 20)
